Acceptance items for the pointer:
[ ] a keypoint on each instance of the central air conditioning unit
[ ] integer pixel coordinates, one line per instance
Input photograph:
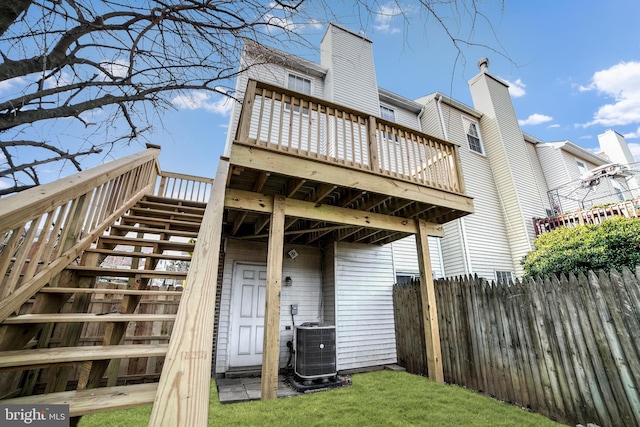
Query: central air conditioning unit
(315, 351)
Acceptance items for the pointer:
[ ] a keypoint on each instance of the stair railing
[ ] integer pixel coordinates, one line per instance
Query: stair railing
(44, 229)
(184, 187)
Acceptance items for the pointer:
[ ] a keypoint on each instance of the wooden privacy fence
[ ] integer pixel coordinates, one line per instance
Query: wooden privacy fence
(567, 348)
(279, 119)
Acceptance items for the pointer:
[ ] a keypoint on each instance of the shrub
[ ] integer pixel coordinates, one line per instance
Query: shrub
(613, 244)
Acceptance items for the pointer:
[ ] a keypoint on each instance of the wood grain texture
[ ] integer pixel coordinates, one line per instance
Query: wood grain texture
(183, 392)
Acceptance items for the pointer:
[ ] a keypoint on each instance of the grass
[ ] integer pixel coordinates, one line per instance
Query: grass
(382, 398)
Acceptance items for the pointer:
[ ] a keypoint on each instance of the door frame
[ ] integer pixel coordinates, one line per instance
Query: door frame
(232, 295)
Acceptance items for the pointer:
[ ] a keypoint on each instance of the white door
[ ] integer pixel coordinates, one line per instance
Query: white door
(247, 314)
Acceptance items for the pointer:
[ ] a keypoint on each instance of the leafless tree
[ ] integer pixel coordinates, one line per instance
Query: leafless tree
(111, 66)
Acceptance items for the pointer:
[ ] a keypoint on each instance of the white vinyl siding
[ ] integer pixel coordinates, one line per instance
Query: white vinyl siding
(563, 171)
(478, 244)
(405, 257)
(274, 74)
(514, 176)
(364, 306)
(352, 80)
(305, 291)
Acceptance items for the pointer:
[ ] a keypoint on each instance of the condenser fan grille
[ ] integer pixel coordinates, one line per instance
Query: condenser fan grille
(315, 351)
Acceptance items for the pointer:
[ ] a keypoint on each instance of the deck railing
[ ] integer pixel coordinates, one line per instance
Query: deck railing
(185, 187)
(45, 228)
(279, 119)
(628, 208)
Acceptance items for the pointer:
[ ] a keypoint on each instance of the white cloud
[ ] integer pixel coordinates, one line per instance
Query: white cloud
(635, 134)
(516, 89)
(59, 80)
(6, 85)
(286, 24)
(203, 100)
(4, 184)
(283, 23)
(384, 17)
(117, 68)
(535, 119)
(622, 83)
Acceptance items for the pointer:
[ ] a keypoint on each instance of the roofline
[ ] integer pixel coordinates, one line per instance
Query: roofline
(334, 24)
(576, 150)
(451, 102)
(398, 100)
(277, 56)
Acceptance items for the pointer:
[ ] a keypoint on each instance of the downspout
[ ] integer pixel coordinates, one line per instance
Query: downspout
(461, 225)
(445, 134)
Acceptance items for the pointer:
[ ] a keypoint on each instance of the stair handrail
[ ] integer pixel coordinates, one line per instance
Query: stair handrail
(45, 228)
(183, 186)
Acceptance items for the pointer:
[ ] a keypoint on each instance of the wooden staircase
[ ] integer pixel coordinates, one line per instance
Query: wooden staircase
(66, 343)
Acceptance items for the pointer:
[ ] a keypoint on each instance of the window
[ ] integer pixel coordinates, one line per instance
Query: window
(406, 278)
(298, 84)
(617, 187)
(504, 276)
(387, 113)
(582, 169)
(473, 136)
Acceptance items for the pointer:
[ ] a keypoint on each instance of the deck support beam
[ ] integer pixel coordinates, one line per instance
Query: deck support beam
(271, 344)
(429, 308)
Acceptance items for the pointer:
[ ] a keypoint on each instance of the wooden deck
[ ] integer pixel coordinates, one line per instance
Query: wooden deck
(333, 163)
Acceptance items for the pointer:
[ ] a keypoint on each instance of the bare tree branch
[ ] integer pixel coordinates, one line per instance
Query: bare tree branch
(115, 65)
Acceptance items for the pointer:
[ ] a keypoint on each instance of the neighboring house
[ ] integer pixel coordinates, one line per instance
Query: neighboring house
(346, 283)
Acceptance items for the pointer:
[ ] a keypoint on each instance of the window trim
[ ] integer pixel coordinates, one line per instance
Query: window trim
(584, 166)
(499, 276)
(466, 125)
(391, 109)
(296, 109)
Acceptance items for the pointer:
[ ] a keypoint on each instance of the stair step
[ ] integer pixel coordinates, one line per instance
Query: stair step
(86, 317)
(179, 225)
(101, 291)
(174, 202)
(89, 401)
(42, 357)
(168, 245)
(131, 254)
(161, 213)
(126, 272)
(171, 207)
(157, 230)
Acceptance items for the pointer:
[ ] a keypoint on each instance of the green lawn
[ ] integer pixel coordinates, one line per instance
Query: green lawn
(382, 398)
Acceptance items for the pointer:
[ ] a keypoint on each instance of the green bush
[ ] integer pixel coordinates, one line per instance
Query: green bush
(613, 244)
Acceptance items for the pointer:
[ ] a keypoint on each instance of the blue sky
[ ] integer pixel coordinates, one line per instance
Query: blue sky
(573, 67)
(574, 70)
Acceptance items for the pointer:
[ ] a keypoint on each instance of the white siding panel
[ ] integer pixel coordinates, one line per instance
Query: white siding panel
(351, 78)
(305, 291)
(364, 306)
(470, 250)
(405, 256)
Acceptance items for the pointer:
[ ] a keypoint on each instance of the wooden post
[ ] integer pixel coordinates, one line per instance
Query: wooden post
(244, 123)
(372, 132)
(429, 309)
(271, 346)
